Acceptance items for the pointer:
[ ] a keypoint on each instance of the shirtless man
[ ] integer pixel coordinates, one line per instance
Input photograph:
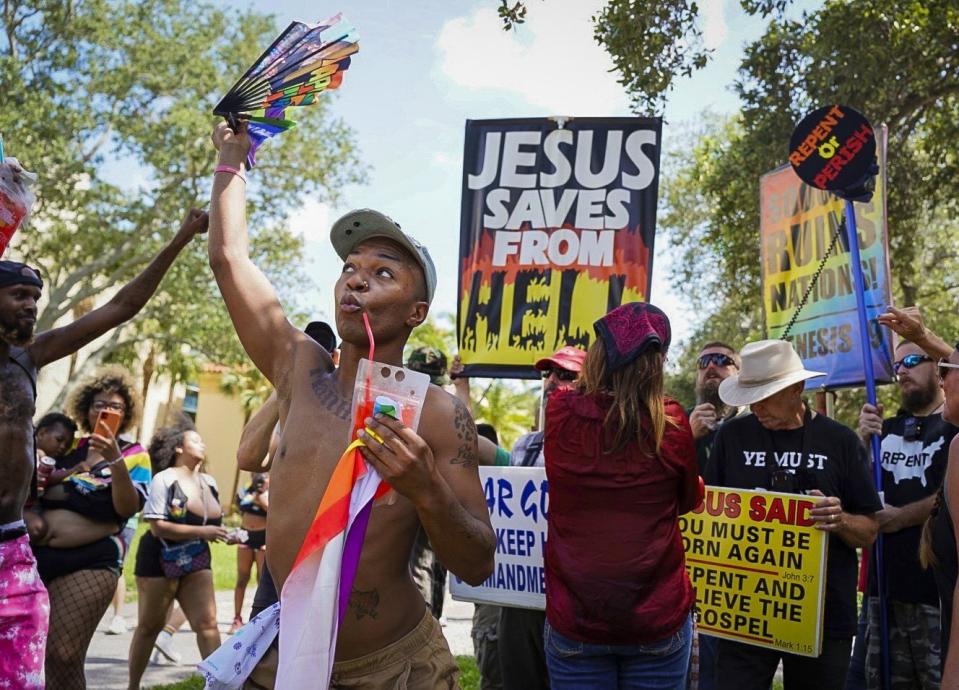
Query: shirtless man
(21, 357)
(391, 278)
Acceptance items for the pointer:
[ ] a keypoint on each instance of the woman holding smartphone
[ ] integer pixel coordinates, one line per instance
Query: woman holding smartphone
(92, 493)
(173, 558)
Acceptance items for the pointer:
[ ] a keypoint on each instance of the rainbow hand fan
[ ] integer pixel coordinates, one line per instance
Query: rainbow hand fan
(303, 62)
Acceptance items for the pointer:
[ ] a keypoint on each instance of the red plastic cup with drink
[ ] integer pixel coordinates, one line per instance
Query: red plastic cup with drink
(16, 198)
(12, 213)
(45, 467)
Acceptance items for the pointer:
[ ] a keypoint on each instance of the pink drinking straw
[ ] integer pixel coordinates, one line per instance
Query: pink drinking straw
(369, 371)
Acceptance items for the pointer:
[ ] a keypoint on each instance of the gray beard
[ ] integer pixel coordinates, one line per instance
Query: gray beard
(710, 394)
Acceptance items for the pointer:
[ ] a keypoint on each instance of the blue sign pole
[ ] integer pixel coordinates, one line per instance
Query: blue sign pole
(865, 342)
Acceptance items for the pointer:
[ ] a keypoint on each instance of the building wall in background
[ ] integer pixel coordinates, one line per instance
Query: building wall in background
(219, 419)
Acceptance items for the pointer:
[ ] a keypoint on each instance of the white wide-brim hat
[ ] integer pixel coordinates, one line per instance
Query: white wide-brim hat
(768, 367)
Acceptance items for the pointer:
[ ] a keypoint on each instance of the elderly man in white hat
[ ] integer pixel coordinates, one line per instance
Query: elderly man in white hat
(784, 446)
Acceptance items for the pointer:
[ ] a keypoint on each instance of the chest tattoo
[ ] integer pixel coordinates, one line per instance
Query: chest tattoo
(325, 391)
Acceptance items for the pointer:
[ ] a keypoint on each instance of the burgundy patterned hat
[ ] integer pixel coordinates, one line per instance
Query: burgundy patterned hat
(630, 330)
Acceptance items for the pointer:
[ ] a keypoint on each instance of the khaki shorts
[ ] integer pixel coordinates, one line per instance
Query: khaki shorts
(421, 660)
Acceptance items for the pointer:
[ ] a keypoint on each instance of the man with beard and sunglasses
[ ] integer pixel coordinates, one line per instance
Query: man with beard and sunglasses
(520, 634)
(717, 361)
(914, 450)
(22, 355)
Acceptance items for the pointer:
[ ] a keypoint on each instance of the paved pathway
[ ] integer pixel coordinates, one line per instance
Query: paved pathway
(106, 666)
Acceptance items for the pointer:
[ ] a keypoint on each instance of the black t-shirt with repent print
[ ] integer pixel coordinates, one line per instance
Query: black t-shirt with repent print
(914, 452)
(745, 455)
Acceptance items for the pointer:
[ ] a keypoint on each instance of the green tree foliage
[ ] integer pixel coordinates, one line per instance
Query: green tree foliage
(509, 406)
(249, 385)
(512, 14)
(895, 60)
(904, 72)
(651, 43)
(98, 91)
(436, 332)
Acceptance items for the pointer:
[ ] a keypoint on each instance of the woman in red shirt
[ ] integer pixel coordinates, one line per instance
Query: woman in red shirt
(621, 465)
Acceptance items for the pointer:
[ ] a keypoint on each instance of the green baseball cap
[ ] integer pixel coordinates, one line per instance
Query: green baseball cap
(362, 224)
(429, 361)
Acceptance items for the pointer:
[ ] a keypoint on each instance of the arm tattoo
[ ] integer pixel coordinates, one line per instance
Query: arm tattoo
(465, 435)
(364, 603)
(325, 390)
(470, 527)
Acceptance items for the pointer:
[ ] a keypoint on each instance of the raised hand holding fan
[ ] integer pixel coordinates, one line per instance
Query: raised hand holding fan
(304, 61)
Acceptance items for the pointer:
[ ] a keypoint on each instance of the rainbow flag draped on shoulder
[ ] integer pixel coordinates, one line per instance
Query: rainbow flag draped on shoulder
(316, 592)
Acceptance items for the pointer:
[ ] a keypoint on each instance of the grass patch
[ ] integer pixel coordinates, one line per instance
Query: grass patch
(191, 683)
(224, 565)
(470, 680)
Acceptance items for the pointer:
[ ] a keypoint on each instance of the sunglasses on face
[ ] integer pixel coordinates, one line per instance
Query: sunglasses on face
(717, 358)
(909, 362)
(561, 374)
(944, 368)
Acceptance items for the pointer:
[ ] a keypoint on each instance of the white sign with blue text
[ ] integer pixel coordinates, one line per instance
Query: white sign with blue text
(518, 501)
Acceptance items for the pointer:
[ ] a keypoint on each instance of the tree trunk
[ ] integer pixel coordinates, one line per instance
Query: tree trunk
(148, 368)
(168, 412)
(80, 309)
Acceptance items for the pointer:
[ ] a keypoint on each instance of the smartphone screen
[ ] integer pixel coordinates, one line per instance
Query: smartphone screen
(108, 423)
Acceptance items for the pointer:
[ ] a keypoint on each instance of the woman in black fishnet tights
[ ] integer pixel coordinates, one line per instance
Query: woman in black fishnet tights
(81, 598)
(77, 540)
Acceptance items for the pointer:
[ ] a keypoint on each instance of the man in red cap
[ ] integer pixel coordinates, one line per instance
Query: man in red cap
(559, 370)
(520, 634)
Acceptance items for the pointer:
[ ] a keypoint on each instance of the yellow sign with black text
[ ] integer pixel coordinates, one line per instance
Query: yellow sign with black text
(758, 566)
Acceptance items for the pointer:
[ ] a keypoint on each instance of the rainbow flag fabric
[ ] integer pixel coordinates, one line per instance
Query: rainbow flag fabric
(315, 594)
(135, 457)
(317, 591)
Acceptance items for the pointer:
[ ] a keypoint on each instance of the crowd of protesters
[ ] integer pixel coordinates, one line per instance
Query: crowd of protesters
(622, 458)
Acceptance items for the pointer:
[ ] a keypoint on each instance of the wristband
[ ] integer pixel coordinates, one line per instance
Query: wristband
(230, 169)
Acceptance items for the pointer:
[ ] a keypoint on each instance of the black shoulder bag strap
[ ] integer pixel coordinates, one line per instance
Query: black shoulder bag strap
(533, 449)
(771, 465)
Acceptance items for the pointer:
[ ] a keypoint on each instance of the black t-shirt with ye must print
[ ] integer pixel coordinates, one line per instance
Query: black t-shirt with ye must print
(823, 455)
